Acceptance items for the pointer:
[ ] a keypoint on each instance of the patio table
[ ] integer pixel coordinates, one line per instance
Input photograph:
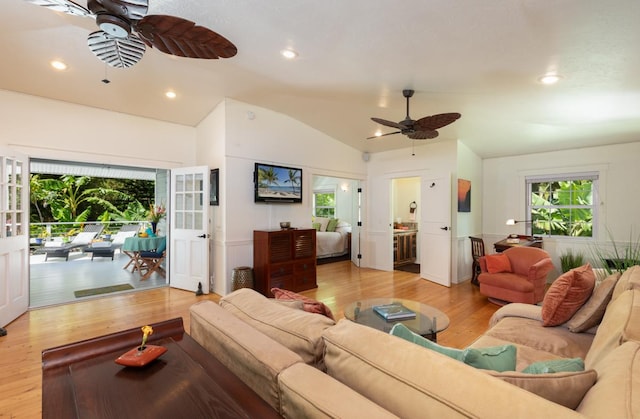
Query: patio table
(132, 247)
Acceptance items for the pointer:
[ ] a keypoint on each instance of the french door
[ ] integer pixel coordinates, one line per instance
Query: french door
(14, 235)
(189, 243)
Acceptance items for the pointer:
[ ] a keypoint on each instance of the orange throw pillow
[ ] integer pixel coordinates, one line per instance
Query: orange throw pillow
(310, 305)
(567, 294)
(497, 263)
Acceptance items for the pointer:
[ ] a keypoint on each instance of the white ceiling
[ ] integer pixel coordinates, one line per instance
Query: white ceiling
(479, 58)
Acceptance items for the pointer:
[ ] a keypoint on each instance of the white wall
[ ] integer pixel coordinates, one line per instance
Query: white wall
(467, 224)
(504, 192)
(268, 137)
(51, 129)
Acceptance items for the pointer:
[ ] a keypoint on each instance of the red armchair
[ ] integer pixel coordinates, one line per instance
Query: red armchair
(524, 284)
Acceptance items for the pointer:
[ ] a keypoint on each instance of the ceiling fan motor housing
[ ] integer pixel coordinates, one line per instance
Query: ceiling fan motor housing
(114, 26)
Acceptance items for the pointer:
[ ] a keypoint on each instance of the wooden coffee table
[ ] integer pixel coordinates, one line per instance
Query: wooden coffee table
(81, 380)
(427, 323)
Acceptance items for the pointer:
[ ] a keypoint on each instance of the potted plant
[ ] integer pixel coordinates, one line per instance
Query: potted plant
(618, 256)
(570, 260)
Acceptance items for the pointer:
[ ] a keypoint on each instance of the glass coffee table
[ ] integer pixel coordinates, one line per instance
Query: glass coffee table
(427, 323)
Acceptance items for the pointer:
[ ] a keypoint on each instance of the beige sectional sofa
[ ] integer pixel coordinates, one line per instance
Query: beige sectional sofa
(307, 366)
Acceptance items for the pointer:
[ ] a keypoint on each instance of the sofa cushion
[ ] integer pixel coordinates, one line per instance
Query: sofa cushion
(422, 381)
(629, 279)
(241, 348)
(615, 394)
(298, 330)
(309, 393)
(567, 294)
(497, 263)
(621, 322)
(591, 313)
(309, 304)
(564, 388)
(555, 365)
(497, 358)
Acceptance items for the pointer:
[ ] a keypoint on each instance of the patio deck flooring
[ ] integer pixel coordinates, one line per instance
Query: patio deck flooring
(54, 281)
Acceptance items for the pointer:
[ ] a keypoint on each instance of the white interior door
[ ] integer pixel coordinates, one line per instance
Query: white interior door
(189, 239)
(435, 230)
(14, 236)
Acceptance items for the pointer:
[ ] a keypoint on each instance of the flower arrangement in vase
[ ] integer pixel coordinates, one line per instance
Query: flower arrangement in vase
(156, 213)
(143, 354)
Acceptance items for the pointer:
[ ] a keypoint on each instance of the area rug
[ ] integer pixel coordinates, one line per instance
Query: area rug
(102, 290)
(414, 268)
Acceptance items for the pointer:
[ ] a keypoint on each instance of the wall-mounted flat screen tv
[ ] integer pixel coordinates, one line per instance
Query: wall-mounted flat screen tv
(277, 184)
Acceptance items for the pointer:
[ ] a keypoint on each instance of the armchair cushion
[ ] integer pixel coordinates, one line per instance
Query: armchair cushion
(567, 294)
(498, 263)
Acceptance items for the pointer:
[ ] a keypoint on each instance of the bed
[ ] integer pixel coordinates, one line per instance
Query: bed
(331, 243)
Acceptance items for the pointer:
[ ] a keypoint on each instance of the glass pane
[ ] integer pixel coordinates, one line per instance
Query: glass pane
(198, 221)
(179, 183)
(188, 183)
(199, 183)
(179, 220)
(19, 172)
(198, 203)
(188, 204)
(188, 220)
(179, 201)
(18, 198)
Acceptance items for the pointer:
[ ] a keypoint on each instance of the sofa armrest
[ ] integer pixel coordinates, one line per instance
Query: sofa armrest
(527, 311)
(306, 392)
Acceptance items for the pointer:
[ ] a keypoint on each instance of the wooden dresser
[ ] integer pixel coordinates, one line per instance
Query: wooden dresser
(284, 259)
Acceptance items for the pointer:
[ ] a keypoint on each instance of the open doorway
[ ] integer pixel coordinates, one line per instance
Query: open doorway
(335, 199)
(70, 199)
(405, 198)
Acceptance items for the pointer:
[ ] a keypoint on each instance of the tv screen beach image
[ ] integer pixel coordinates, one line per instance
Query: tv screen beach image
(276, 182)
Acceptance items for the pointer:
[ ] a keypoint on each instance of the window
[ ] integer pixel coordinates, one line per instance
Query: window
(324, 203)
(563, 205)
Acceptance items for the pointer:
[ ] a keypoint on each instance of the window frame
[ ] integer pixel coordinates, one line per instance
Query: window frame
(594, 176)
(328, 191)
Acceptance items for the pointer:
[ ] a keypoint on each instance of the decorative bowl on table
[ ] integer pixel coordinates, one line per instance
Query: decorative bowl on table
(285, 225)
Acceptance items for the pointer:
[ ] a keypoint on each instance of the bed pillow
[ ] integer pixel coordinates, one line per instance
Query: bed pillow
(323, 222)
(567, 294)
(497, 263)
(332, 224)
(316, 226)
(309, 304)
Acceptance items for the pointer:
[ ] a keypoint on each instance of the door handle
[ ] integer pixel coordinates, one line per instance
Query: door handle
(203, 236)
(445, 228)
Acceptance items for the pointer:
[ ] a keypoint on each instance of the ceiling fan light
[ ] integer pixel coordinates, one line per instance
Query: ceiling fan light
(114, 26)
(170, 94)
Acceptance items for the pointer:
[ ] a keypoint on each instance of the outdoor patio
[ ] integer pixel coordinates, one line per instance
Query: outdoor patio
(56, 280)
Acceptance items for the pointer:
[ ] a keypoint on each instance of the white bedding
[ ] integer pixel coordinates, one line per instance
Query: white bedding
(329, 243)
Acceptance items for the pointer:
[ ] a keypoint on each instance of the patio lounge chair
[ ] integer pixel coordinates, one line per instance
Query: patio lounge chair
(61, 250)
(108, 248)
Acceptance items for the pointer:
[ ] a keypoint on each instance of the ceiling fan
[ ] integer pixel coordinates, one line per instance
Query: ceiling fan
(421, 129)
(125, 28)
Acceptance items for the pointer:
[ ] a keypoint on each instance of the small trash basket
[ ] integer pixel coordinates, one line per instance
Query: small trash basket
(242, 277)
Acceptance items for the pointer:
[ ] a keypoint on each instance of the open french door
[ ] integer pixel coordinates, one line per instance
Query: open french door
(189, 229)
(14, 235)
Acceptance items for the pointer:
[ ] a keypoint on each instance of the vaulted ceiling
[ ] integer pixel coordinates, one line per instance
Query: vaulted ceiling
(480, 58)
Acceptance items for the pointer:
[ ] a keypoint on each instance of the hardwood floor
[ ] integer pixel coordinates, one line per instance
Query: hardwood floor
(338, 284)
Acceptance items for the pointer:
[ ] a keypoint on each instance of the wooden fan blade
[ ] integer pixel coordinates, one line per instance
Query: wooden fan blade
(423, 135)
(130, 9)
(117, 52)
(391, 124)
(434, 122)
(181, 37)
(383, 135)
(64, 6)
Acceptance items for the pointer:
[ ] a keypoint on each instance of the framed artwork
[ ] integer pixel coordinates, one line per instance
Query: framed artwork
(214, 184)
(464, 195)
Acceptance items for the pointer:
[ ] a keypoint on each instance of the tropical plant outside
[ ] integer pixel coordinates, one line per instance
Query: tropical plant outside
(562, 208)
(324, 204)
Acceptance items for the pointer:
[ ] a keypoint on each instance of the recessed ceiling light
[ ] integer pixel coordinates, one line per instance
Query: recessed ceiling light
(549, 79)
(170, 94)
(58, 65)
(289, 54)
(378, 133)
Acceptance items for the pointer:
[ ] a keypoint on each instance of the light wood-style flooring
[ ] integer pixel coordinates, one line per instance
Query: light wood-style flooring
(339, 284)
